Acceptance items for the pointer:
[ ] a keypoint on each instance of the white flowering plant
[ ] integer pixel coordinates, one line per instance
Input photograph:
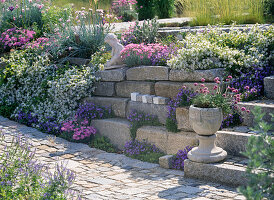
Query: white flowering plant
(237, 51)
(43, 89)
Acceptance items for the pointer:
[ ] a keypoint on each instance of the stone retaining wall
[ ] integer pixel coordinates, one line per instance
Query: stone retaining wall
(155, 80)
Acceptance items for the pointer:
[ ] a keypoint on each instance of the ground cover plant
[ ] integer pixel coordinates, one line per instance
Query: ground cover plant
(22, 177)
(139, 119)
(236, 51)
(142, 151)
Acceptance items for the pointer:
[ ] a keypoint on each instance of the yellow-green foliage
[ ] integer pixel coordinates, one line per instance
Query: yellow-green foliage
(224, 11)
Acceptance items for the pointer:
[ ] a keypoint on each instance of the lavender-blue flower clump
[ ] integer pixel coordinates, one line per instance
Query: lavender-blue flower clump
(138, 119)
(22, 177)
(180, 157)
(143, 151)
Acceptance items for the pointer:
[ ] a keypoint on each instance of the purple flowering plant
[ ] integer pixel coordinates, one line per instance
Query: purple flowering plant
(21, 176)
(142, 151)
(180, 157)
(251, 84)
(139, 119)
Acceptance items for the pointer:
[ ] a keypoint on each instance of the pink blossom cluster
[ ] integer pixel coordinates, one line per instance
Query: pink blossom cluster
(79, 129)
(230, 92)
(123, 3)
(13, 38)
(38, 43)
(157, 53)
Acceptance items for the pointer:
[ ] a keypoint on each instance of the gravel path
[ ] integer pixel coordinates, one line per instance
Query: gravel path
(102, 175)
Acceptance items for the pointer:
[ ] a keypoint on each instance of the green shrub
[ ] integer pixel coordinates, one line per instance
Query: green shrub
(103, 143)
(165, 8)
(145, 9)
(79, 37)
(260, 151)
(171, 125)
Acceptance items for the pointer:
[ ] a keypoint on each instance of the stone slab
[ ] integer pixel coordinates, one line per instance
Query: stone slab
(267, 107)
(114, 75)
(116, 129)
(125, 88)
(232, 142)
(269, 87)
(168, 142)
(160, 100)
(166, 161)
(159, 110)
(147, 73)
(118, 105)
(171, 89)
(78, 61)
(182, 117)
(104, 89)
(196, 75)
(224, 173)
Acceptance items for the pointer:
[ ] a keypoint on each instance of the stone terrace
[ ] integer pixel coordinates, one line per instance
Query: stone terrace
(102, 175)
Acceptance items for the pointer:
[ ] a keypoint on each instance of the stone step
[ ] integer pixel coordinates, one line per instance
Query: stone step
(233, 142)
(118, 105)
(267, 107)
(158, 110)
(269, 87)
(116, 129)
(229, 172)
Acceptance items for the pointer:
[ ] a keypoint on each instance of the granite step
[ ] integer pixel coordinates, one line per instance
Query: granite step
(230, 172)
(269, 87)
(117, 104)
(267, 107)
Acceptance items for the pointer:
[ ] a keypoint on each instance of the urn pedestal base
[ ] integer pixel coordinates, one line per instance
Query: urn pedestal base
(207, 151)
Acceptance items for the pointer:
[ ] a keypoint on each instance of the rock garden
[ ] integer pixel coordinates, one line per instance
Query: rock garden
(139, 112)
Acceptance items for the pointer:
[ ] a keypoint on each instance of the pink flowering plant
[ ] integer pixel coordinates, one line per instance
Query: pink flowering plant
(78, 130)
(14, 38)
(142, 54)
(124, 9)
(222, 96)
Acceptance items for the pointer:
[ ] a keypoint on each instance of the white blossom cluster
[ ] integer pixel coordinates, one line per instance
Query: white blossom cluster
(43, 89)
(234, 50)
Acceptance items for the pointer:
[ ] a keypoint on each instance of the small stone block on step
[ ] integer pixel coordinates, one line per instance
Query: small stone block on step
(147, 98)
(166, 161)
(139, 97)
(134, 96)
(160, 100)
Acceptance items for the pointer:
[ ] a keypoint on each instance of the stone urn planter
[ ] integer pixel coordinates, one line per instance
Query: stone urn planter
(206, 122)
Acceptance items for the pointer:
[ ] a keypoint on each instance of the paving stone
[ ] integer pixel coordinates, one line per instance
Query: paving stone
(125, 88)
(128, 178)
(147, 98)
(118, 105)
(104, 89)
(268, 87)
(160, 111)
(196, 75)
(113, 75)
(117, 130)
(147, 73)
